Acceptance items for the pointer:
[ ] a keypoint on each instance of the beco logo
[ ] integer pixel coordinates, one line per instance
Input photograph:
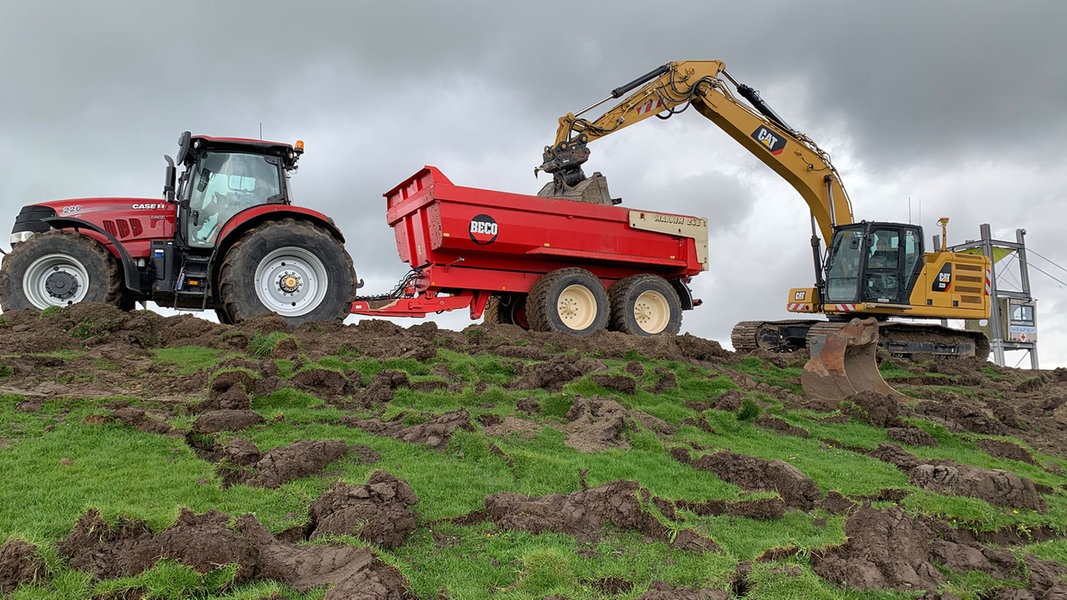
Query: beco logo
(483, 230)
(773, 142)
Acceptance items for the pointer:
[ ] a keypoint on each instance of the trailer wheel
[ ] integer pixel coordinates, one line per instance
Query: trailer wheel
(568, 300)
(291, 268)
(58, 268)
(645, 304)
(507, 309)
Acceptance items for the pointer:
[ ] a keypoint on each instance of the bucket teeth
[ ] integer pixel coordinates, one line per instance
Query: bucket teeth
(843, 364)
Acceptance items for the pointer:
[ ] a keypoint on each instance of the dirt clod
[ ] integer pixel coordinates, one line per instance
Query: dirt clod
(19, 565)
(377, 512)
(751, 473)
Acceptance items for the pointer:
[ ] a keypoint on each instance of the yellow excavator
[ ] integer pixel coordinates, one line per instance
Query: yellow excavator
(868, 270)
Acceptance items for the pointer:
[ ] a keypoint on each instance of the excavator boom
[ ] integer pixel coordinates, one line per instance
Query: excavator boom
(705, 85)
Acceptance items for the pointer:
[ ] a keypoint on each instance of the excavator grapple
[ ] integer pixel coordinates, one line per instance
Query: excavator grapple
(843, 362)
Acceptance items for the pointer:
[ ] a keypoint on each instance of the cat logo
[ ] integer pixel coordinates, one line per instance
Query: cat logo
(944, 279)
(483, 230)
(773, 142)
(800, 296)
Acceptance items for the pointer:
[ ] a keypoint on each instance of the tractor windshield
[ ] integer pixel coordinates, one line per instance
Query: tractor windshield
(222, 185)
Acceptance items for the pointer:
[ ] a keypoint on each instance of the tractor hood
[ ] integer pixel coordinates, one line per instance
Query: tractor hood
(118, 216)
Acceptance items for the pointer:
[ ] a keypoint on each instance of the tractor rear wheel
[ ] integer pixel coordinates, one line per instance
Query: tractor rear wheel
(291, 268)
(58, 268)
(645, 304)
(568, 300)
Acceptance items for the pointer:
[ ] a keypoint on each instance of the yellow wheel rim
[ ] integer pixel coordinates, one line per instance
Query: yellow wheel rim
(652, 312)
(576, 307)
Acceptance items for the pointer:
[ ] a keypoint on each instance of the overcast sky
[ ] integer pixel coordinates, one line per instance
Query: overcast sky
(929, 108)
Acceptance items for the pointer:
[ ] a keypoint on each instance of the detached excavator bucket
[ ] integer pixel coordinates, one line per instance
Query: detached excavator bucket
(843, 363)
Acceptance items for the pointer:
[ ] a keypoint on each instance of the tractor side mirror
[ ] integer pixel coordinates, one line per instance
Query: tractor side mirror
(168, 179)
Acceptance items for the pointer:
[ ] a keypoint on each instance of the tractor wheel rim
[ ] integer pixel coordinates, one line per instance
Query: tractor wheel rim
(291, 281)
(577, 307)
(652, 312)
(55, 280)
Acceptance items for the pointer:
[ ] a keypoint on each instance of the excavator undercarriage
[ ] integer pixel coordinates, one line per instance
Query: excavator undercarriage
(896, 337)
(843, 356)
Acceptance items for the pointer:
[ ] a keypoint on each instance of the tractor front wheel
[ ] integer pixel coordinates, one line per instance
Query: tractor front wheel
(291, 268)
(58, 268)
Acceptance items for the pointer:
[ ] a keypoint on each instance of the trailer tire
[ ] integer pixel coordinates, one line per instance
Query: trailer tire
(507, 309)
(59, 268)
(291, 268)
(645, 305)
(570, 301)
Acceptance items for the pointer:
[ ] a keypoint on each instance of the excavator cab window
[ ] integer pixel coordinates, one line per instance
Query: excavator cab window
(882, 277)
(223, 184)
(843, 268)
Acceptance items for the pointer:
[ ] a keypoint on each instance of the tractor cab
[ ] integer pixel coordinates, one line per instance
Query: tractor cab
(222, 177)
(873, 263)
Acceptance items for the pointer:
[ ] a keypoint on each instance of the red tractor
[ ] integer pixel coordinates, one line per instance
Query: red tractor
(225, 237)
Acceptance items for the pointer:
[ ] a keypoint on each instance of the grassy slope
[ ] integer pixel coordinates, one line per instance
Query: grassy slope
(60, 461)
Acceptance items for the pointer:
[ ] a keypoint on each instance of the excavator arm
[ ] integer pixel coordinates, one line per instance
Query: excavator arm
(672, 88)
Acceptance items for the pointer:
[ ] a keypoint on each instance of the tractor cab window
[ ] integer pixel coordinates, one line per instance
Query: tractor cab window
(842, 273)
(222, 185)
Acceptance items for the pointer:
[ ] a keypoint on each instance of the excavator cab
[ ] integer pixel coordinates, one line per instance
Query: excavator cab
(873, 262)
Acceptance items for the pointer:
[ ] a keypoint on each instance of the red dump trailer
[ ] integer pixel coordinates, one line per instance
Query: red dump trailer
(544, 263)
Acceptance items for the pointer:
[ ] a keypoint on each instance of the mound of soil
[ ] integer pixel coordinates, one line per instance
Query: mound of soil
(595, 424)
(911, 436)
(206, 542)
(1002, 449)
(19, 565)
(886, 548)
(997, 487)
(880, 410)
(555, 373)
(584, 514)
(226, 419)
(434, 434)
(751, 473)
(243, 464)
(376, 512)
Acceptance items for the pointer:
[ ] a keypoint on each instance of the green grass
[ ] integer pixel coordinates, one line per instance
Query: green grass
(68, 459)
(188, 359)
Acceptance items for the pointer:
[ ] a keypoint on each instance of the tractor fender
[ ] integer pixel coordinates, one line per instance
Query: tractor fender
(129, 266)
(256, 215)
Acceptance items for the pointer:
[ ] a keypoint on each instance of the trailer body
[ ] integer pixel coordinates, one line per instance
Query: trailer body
(466, 244)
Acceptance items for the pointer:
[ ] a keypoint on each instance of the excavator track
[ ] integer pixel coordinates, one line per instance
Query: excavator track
(897, 338)
(909, 339)
(776, 336)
